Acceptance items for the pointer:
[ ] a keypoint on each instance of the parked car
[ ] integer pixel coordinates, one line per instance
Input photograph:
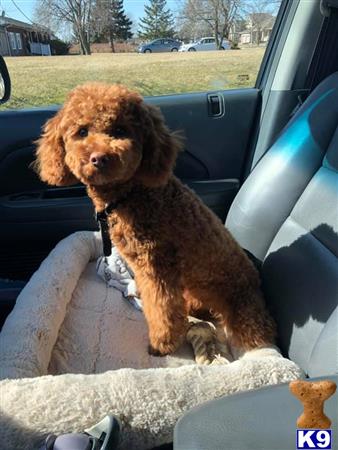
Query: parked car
(204, 44)
(160, 45)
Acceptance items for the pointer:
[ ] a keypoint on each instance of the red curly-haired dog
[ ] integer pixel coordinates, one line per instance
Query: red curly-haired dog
(183, 258)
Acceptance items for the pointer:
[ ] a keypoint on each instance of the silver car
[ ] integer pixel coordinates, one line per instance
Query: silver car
(204, 44)
(160, 45)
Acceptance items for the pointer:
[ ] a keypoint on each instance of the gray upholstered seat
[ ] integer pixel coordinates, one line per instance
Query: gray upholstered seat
(286, 214)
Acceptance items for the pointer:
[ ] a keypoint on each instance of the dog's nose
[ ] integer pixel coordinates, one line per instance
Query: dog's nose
(98, 160)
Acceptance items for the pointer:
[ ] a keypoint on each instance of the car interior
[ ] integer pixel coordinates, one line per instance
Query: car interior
(265, 160)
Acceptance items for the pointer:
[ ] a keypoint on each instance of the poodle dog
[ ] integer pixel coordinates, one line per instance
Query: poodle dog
(183, 258)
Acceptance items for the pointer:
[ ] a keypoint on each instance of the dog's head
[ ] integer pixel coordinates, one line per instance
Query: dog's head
(106, 134)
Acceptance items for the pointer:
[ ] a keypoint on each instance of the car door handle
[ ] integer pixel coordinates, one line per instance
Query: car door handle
(215, 105)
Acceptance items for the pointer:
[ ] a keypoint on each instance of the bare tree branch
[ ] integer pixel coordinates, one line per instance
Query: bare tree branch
(219, 15)
(76, 13)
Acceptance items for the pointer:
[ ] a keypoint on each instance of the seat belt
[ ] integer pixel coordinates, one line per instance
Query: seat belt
(325, 59)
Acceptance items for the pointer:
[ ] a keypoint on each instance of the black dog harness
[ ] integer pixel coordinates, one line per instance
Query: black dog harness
(102, 219)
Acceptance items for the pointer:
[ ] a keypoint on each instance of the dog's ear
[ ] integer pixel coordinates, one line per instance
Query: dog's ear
(50, 155)
(160, 147)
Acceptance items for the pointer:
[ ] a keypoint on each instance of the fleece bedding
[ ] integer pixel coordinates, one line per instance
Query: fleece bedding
(73, 350)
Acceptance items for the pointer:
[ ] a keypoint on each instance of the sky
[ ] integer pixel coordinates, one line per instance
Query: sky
(134, 8)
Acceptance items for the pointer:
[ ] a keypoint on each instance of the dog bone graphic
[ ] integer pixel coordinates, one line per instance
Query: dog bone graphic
(313, 395)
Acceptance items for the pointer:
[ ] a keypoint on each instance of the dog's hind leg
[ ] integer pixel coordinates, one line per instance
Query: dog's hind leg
(249, 324)
(242, 312)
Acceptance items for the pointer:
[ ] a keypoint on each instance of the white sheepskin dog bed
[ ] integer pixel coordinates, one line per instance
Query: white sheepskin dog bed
(73, 350)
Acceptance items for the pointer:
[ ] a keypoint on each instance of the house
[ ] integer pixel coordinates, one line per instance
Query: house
(236, 28)
(258, 29)
(22, 39)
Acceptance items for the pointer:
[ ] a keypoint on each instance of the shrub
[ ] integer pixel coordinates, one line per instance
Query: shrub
(234, 46)
(59, 47)
(120, 47)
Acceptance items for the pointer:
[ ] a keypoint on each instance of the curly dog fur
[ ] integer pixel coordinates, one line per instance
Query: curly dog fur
(183, 258)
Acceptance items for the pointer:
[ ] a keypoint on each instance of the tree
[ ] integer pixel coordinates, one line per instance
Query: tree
(190, 27)
(158, 21)
(76, 13)
(218, 15)
(110, 22)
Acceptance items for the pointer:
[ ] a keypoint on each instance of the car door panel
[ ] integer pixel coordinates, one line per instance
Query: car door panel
(34, 216)
(211, 45)
(218, 144)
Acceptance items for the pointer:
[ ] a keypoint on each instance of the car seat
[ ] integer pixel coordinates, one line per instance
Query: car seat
(286, 216)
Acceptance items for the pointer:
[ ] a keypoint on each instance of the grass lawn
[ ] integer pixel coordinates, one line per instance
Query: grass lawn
(40, 81)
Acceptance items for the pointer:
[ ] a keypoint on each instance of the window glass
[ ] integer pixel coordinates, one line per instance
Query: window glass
(18, 41)
(119, 51)
(12, 40)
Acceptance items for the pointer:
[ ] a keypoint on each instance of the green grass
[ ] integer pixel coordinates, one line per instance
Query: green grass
(38, 81)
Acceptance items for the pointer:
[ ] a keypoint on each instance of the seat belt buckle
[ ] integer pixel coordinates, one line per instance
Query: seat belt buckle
(105, 435)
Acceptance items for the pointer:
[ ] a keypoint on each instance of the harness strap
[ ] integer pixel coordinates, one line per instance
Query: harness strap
(102, 219)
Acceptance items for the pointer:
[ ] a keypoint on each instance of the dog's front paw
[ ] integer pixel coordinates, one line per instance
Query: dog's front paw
(154, 351)
(162, 349)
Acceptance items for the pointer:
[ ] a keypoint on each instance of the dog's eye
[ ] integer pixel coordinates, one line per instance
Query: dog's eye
(83, 132)
(119, 132)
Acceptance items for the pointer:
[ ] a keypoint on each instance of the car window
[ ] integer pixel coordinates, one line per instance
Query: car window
(47, 57)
